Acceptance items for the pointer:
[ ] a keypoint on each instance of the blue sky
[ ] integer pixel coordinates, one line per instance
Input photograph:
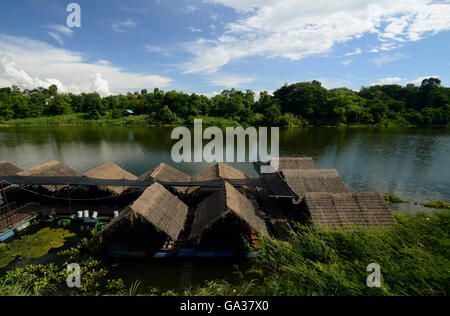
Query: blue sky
(205, 46)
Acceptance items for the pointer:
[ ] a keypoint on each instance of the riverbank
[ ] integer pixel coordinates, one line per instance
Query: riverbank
(81, 119)
(413, 256)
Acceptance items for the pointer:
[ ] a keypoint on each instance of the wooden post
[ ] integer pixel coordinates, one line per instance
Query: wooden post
(70, 203)
(6, 202)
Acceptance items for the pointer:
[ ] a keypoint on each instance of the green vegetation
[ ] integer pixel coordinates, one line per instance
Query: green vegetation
(438, 205)
(33, 246)
(413, 255)
(300, 104)
(391, 199)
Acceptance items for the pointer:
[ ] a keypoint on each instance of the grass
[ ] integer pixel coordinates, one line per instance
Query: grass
(438, 205)
(413, 255)
(391, 199)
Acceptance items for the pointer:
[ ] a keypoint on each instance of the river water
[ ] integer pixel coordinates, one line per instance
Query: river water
(413, 163)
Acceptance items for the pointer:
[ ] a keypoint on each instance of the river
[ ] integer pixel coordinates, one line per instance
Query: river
(412, 163)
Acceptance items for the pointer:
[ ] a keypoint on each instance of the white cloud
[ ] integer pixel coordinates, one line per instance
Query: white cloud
(295, 29)
(100, 85)
(25, 62)
(125, 26)
(356, 52)
(229, 81)
(347, 62)
(157, 49)
(385, 59)
(388, 80)
(58, 32)
(418, 81)
(190, 9)
(195, 30)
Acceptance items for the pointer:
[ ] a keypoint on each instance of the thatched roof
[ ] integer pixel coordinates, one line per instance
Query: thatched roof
(220, 171)
(166, 173)
(111, 171)
(296, 163)
(50, 169)
(304, 181)
(165, 211)
(7, 169)
(346, 209)
(225, 201)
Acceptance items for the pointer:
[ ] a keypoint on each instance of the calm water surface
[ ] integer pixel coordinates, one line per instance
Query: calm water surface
(412, 163)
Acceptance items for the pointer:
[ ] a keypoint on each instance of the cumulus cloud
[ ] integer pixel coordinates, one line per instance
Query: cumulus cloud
(388, 80)
(100, 85)
(295, 29)
(418, 81)
(25, 62)
(11, 73)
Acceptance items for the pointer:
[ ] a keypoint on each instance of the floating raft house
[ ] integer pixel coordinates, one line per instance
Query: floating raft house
(111, 171)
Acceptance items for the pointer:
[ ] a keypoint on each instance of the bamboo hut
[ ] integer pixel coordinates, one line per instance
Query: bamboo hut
(111, 171)
(347, 209)
(295, 163)
(166, 173)
(304, 181)
(51, 169)
(219, 171)
(158, 207)
(226, 206)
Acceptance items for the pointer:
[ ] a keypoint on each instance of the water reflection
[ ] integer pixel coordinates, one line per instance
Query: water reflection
(412, 163)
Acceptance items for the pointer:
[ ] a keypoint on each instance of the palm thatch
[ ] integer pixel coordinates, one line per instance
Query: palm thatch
(165, 211)
(51, 169)
(295, 163)
(346, 209)
(7, 170)
(111, 171)
(304, 181)
(224, 202)
(166, 173)
(219, 171)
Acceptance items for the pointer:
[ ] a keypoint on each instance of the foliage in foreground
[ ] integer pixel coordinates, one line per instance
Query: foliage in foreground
(413, 255)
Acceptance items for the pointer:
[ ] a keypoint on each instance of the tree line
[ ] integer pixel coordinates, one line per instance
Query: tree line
(299, 104)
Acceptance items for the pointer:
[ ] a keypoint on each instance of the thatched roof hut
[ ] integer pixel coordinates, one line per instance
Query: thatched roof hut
(166, 212)
(7, 169)
(166, 173)
(220, 171)
(346, 209)
(111, 171)
(304, 181)
(296, 163)
(50, 169)
(224, 202)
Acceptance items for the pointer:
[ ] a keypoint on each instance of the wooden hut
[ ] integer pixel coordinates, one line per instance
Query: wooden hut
(346, 209)
(304, 181)
(51, 169)
(226, 208)
(158, 207)
(111, 171)
(7, 169)
(166, 173)
(220, 171)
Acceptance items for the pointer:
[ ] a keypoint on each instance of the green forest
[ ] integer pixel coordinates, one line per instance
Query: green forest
(299, 104)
